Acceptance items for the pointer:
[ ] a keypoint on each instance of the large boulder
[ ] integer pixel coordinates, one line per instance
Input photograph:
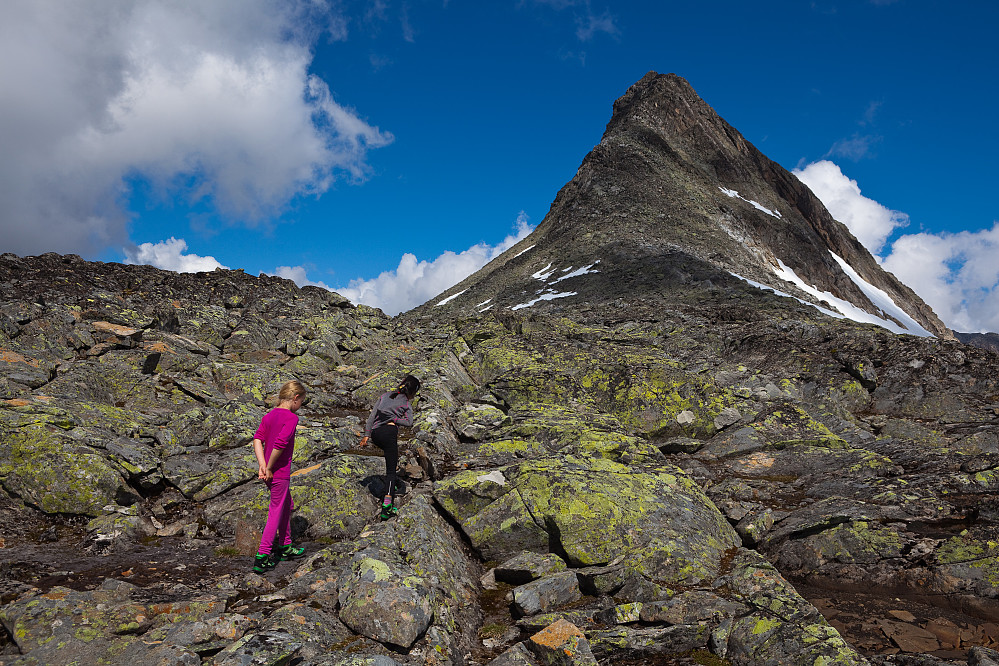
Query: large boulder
(331, 499)
(654, 522)
(49, 468)
(385, 601)
(783, 627)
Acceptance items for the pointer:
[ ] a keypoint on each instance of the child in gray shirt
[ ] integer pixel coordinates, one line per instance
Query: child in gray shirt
(391, 410)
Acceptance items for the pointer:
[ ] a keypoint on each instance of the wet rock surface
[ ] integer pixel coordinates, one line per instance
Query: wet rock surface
(717, 475)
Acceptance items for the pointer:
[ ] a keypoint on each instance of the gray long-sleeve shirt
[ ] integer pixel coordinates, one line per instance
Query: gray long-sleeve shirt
(387, 409)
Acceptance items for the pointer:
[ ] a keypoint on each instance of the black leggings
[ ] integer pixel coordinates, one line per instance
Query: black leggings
(386, 438)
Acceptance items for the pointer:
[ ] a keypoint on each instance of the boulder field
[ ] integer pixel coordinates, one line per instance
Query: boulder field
(603, 485)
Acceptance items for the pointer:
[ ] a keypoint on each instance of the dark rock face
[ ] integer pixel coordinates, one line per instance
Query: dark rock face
(984, 340)
(670, 204)
(646, 474)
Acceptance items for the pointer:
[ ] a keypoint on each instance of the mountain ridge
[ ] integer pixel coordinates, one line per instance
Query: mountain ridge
(670, 176)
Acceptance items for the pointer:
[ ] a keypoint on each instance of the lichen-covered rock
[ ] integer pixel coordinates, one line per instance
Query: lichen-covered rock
(115, 531)
(555, 427)
(518, 655)
(546, 593)
(843, 453)
(475, 421)
(52, 470)
(136, 458)
(617, 447)
(317, 630)
(857, 542)
(505, 451)
(26, 370)
(561, 644)
(979, 656)
(754, 525)
(595, 511)
(580, 617)
(690, 608)
(385, 602)
(528, 566)
(105, 618)
(784, 628)
(649, 643)
(330, 498)
(273, 648)
(435, 551)
(357, 660)
(969, 564)
(205, 475)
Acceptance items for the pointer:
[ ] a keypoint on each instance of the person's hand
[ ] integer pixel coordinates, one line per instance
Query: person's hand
(268, 475)
(364, 442)
(261, 472)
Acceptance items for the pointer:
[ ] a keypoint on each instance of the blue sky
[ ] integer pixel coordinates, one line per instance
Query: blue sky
(388, 148)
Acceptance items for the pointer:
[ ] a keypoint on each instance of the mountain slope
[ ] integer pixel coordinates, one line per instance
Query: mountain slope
(673, 206)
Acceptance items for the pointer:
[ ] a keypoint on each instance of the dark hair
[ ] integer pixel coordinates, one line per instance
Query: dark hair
(409, 385)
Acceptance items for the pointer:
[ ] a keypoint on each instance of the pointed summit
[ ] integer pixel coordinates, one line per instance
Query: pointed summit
(674, 208)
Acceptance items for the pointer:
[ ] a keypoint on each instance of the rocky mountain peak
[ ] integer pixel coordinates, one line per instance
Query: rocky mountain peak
(674, 206)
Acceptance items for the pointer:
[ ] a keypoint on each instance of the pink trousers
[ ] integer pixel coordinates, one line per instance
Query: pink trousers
(278, 527)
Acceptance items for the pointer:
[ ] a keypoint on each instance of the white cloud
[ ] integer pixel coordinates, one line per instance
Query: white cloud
(866, 219)
(855, 148)
(589, 25)
(169, 255)
(588, 22)
(209, 99)
(415, 282)
(298, 275)
(956, 274)
(870, 114)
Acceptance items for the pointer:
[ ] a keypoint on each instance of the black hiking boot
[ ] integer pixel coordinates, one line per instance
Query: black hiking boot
(263, 563)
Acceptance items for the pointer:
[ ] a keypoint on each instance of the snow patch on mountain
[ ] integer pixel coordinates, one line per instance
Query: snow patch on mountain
(544, 273)
(844, 309)
(579, 271)
(847, 309)
(550, 296)
(450, 298)
(754, 204)
(882, 300)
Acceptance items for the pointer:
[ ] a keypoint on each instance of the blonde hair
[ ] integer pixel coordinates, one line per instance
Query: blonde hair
(290, 389)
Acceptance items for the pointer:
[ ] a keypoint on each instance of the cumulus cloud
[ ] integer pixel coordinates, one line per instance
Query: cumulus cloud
(956, 274)
(415, 282)
(866, 219)
(211, 100)
(298, 275)
(169, 255)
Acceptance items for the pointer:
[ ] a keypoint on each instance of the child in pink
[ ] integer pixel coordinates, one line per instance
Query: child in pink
(273, 445)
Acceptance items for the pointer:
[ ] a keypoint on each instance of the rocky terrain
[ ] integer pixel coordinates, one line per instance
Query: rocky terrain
(671, 466)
